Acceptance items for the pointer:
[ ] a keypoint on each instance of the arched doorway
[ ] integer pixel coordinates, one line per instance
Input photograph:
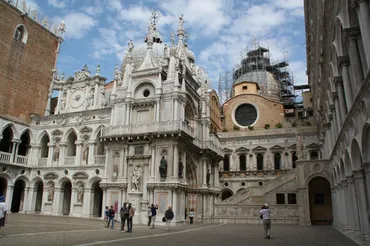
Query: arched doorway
(3, 186)
(98, 199)
(226, 194)
(39, 186)
(18, 196)
(6, 141)
(67, 192)
(320, 201)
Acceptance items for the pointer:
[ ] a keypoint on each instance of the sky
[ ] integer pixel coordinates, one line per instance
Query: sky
(98, 31)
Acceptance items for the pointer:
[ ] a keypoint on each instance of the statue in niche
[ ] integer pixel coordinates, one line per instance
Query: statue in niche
(135, 178)
(103, 98)
(181, 168)
(208, 177)
(63, 101)
(115, 165)
(90, 99)
(85, 154)
(163, 168)
(56, 153)
(51, 192)
(80, 193)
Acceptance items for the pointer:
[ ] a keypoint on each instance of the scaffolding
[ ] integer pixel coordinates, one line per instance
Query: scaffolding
(255, 65)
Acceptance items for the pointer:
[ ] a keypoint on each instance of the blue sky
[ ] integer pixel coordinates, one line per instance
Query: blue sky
(97, 31)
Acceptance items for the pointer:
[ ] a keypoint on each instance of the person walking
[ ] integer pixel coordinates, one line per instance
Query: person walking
(106, 215)
(124, 216)
(191, 216)
(265, 216)
(111, 214)
(131, 213)
(153, 210)
(149, 215)
(169, 216)
(3, 210)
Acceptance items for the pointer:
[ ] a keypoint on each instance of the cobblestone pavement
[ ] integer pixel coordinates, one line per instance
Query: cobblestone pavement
(49, 230)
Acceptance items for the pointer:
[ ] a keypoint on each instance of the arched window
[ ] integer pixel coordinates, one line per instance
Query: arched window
(242, 163)
(259, 162)
(6, 141)
(44, 146)
(314, 155)
(71, 144)
(227, 163)
(100, 145)
(294, 159)
(21, 34)
(277, 161)
(24, 145)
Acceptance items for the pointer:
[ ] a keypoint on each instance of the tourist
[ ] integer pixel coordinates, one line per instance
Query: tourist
(131, 213)
(149, 215)
(111, 214)
(265, 216)
(3, 210)
(106, 215)
(169, 216)
(153, 211)
(124, 216)
(191, 216)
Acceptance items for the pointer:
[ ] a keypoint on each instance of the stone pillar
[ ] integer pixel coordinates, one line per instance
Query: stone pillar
(353, 203)
(347, 84)
(158, 107)
(106, 166)
(361, 199)
(27, 199)
(174, 205)
(121, 164)
(144, 180)
(176, 109)
(57, 202)
(204, 172)
(217, 175)
(338, 113)
(86, 207)
(152, 164)
(78, 157)
(15, 146)
(355, 60)
(125, 165)
(62, 153)
(335, 125)
(50, 159)
(348, 214)
(184, 163)
(91, 157)
(60, 93)
(127, 113)
(340, 93)
(96, 95)
(175, 174)
(364, 19)
(334, 205)
(303, 207)
(73, 201)
(68, 96)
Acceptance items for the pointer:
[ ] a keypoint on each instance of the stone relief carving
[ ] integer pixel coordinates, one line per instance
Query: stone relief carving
(103, 98)
(56, 153)
(85, 154)
(80, 193)
(181, 168)
(90, 99)
(51, 189)
(135, 178)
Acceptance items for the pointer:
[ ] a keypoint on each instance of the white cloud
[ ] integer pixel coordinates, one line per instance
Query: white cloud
(107, 44)
(299, 72)
(77, 24)
(57, 4)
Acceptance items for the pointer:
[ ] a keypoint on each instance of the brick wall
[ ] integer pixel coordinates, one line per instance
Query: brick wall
(25, 69)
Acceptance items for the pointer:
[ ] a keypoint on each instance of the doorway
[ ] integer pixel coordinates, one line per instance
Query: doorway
(39, 192)
(3, 186)
(18, 196)
(67, 193)
(320, 201)
(98, 199)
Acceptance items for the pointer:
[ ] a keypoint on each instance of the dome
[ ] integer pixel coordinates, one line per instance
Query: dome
(190, 54)
(139, 52)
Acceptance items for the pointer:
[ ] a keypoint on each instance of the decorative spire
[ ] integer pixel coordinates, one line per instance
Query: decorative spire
(130, 47)
(62, 29)
(116, 72)
(173, 39)
(34, 14)
(24, 6)
(181, 22)
(98, 70)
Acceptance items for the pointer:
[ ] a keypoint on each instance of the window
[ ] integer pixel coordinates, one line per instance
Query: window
(20, 34)
(245, 114)
(280, 198)
(294, 159)
(277, 161)
(243, 163)
(259, 162)
(146, 93)
(245, 87)
(319, 199)
(292, 198)
(314, 155)
(227, 163)
(139, 150)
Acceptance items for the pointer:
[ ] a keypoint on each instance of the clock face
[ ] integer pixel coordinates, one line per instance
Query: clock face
(77, 99)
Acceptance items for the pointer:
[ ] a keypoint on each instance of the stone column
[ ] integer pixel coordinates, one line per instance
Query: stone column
(73, 200)
(158, 107)
(337, 113)
(144, 180)
(127, 113)
(152, 164)
(360, 193)
(106, 166)
(68, 96)
(347, 212)
(60, 93)
(78, 157)
(174, 205)
(217, 175)
(62, 153)
(364, 19)
(9, 196)
(355, 60)
(121, 164)
(175, 174)
(86, 207)
(91, 156)
(50, 155)
(27, 200)
(57, 206)
(353, 203)
(184, 163)
(176, 109)
(96, 95)
(340, 93)
(15, 146)
(204, 173)
(125, 165)
(334, 205)
(347, 84)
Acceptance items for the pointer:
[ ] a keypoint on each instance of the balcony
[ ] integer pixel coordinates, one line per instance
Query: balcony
(69, 160)
(6, 158)
(99, 160)
(21, 159)
(166, 127)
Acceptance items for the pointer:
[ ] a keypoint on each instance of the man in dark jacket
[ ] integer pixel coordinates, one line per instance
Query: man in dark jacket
(111, 214)
(124, 216)
(169, 216)
(153, 213)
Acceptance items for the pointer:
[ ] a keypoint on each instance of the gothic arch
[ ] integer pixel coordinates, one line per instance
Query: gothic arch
(13, 128)
(91, 182)
(62, 181)
(338, 37)
(356, 155)
(8, 178)
(366, 142)
(41, 135)
(69, 131)
(21, 33)
(24, 179)
(95, 133)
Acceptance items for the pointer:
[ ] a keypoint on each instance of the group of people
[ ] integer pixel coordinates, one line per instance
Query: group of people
(127, 213)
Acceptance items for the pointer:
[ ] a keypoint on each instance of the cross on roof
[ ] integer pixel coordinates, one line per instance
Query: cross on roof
(154, 17)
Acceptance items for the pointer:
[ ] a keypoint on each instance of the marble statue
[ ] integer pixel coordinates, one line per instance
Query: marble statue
(98, 70)
(103, 99)
(181, 168)
(90, 99)
(85, 154)
(51, 192)
(24, 6)
(115, 164)
(163, 168)
(135, 178)
(80, 193)
(63, 101)
(56, 153)
(208, 177)
(173, 39)
(130, 46)
(181, 22)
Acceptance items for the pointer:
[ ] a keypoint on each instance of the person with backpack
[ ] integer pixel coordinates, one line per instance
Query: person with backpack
(153, 211)
(265, 216)
(124, 216)
(191, 216)
(169, 216)
(111, 214)
(131, 213)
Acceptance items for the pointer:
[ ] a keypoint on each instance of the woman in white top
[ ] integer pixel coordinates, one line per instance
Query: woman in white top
(265, 216)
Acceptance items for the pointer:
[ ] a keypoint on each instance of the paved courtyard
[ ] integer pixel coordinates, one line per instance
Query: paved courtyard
(47, 230)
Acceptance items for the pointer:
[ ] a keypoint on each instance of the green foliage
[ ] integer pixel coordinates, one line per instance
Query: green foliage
(267, 126)
(236, 128)
(294, 124)
(279, 125)
(251, 127)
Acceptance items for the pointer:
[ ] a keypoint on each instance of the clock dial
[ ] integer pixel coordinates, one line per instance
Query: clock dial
(77, 99)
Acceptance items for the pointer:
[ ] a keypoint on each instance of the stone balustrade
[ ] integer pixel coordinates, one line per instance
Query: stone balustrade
(5, 157)
(69, 160)
(267, 132)
(99, 160)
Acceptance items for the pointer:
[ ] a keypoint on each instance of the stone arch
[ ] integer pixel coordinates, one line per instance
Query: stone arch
(320, 203)
(7, 136)
(25, 143)
(35, 180)
(342, 174)
(20, 33)
(226, 193)
(24, 179)
(13, 128)
(338, 36)
(366, 142)
(92, 181)
(191, 172)
(95, 133)
(62, 180)
(318, 175)
(356, 155)
(139, 90)
(190, 109)
(68, 132)
(8, 178)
